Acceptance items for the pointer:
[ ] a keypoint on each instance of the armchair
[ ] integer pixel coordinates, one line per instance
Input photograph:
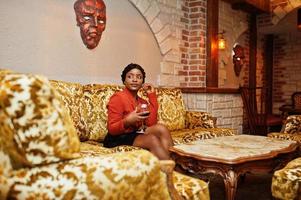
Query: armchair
(291, 129)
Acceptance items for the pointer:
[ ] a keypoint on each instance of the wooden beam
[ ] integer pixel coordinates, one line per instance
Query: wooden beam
(268, 70)
(212, 51)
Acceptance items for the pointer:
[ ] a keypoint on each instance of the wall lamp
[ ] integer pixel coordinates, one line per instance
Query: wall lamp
(221, 40)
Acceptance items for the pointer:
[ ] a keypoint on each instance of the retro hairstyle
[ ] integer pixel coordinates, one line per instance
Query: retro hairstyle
(129, 67)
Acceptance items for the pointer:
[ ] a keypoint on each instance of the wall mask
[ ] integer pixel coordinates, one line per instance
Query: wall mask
(238, 56)
(91, 19)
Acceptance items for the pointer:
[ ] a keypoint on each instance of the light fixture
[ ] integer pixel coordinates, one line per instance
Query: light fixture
(221, 40)
(299, 18)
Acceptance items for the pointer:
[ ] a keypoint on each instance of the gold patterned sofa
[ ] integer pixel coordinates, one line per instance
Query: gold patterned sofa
(291, 129)
(42, 156)
(286, 182)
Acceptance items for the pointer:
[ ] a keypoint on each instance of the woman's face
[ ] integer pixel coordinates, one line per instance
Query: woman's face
(133, 80)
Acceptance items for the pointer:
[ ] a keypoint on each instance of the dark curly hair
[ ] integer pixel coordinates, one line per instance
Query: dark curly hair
(129, 67)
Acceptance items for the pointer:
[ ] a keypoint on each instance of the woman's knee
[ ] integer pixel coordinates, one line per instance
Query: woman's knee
(147, 140)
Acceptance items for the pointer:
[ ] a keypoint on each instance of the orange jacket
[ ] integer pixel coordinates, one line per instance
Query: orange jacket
(121, 104)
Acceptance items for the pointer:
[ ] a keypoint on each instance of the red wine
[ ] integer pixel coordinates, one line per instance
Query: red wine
(145, 114)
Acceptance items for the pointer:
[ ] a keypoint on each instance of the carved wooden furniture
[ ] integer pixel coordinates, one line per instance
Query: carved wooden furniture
(294, 108)
(232, 156)
(260, 120)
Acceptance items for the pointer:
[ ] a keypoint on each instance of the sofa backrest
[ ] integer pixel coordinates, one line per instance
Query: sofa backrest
(35, 128)
(87, 106)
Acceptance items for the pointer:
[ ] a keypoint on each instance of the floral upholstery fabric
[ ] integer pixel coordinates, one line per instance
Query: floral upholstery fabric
(293, 124)
(96, 98)
(35, 128)
(191, 188)
(291, 129)
(188, 187)
(132, 175)
(5, 171)
(286, 136)
(286, 183)
(199, 120)
(71, 95)
(171, 108)
(189, 135)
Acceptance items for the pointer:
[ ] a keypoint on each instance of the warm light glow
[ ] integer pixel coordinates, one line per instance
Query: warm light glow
(221, 43)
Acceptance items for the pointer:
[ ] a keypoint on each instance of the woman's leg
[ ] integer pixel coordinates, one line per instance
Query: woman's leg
(160, 131)
(153, 144)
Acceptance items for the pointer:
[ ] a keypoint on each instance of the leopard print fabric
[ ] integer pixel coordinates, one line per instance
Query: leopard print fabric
(196, 119)
(287, 181)
(71, 96)
(286, 136)
(95, 100)
(291, 129)
(35, 127)
(132, 175)
(293, 124)
(189, 135)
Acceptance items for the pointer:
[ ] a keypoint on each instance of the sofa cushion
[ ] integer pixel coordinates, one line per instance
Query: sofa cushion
(189, 135)
(171, 108)
(71, 95)
(36, 128)
(196, 119)
(293, 124)
(132, 175)
(95, 100)
(5, 171)
(287, 181)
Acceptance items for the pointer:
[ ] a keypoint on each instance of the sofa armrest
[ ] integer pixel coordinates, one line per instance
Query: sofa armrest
(134, 175)
(197, 119)
(286, 136)
(286, 181)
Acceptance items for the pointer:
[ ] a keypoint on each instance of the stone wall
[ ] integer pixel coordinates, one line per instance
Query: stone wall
(228, 108)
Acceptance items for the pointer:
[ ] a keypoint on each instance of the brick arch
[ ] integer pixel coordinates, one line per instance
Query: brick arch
(279, 12)
(150, 10)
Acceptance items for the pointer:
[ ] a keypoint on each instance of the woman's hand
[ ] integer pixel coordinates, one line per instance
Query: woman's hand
(149, 88)
(131, 119)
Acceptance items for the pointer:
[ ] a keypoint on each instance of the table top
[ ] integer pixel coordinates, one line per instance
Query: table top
(235, 149)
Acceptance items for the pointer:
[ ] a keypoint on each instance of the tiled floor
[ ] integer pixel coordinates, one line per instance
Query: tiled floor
(253, 187)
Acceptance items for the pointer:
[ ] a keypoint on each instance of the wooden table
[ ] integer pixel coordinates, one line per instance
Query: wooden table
(232, 156)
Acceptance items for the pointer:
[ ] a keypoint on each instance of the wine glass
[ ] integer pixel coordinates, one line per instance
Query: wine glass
(143, 107)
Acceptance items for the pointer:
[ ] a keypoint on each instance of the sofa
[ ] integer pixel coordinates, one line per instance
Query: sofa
(51, 137)
(291, 129)
(286, 182)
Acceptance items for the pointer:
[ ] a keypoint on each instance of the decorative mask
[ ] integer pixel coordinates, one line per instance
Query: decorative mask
(91, 19)
(238, 56)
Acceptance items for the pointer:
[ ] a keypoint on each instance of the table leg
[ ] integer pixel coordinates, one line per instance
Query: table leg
(230, 181)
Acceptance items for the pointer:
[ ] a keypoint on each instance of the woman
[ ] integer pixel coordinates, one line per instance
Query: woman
(124, 119)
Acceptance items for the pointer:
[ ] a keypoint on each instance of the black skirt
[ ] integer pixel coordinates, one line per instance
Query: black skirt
(111, 141)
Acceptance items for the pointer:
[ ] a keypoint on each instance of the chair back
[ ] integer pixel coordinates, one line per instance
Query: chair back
(254, 104)
(296, 99)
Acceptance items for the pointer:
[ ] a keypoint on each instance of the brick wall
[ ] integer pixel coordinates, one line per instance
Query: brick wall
(287, 59)
(179, 27)
(193, 57)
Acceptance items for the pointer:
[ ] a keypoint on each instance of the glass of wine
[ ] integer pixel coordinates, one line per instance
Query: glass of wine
(143, 108)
